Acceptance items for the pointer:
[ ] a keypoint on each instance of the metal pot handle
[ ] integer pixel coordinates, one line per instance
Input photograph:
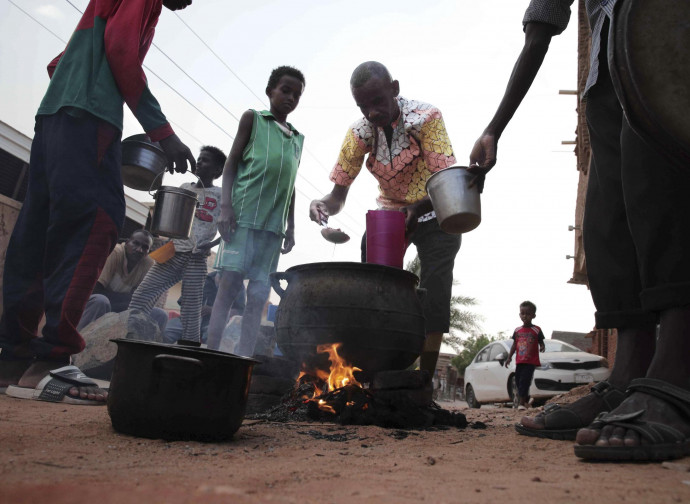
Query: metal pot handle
(174, 364)
(276, 277)
(153, 183)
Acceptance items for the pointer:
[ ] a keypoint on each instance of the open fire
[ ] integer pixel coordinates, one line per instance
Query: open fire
(314, 384)
(394, 399)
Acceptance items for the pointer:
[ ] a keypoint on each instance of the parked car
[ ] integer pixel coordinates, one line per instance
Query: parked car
(563, 367)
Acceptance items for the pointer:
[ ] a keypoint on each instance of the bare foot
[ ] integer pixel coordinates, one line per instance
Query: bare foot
(655, 410)
(40, 369)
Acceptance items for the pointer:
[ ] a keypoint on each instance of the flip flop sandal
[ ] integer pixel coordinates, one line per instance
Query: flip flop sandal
(562, 423)
(55, 387)
(663, 441)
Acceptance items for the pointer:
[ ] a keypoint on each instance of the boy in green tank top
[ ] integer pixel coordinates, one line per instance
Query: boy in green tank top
(257, 206)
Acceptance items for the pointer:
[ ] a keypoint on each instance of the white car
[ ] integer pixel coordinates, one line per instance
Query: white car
(563, 367)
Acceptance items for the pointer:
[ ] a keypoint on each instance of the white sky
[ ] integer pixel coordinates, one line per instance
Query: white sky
(455, 54)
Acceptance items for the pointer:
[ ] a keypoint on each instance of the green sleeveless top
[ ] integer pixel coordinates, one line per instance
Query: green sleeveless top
(266, 175)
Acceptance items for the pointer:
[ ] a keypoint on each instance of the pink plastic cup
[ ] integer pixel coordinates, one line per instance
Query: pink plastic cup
(386, 242)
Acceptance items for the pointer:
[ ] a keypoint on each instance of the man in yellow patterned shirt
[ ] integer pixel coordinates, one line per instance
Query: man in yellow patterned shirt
(404, 142)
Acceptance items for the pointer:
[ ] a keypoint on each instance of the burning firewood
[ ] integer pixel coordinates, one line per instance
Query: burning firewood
(336, 396)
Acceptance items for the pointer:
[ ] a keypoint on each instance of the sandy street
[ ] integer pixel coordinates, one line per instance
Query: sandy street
(59, 454)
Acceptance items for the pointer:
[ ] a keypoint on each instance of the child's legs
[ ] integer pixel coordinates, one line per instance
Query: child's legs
(229, 286)
(263, 247)
(257, 295)
(523, 380)
(192, 295)
(159, 279)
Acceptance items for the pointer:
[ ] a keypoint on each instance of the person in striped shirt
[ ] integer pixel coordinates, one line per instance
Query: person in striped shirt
(188, 264)
(258, 206)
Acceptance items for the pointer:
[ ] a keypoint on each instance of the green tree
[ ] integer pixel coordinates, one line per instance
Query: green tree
(471, 347)
(461, 321)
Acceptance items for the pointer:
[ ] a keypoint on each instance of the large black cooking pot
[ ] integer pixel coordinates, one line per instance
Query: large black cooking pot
(373, 310)
(176, 392)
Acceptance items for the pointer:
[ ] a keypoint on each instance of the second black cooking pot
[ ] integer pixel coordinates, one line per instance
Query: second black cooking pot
(176, 392)
(374, 311)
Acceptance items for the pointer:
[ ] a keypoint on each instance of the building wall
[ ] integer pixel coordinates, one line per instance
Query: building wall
(9, 210)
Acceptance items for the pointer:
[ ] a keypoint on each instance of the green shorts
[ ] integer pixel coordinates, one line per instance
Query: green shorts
(252, 252)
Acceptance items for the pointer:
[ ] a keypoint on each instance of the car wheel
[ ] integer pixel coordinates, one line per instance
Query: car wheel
(512, 387)
(469, 397)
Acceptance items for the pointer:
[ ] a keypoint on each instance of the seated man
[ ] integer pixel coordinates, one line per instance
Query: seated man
(124, 270)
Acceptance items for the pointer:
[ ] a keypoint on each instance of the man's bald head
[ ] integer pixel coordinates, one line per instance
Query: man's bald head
(369, 70)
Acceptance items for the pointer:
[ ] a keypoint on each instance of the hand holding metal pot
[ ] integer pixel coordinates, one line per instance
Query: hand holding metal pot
(178, 154)
(482, 159)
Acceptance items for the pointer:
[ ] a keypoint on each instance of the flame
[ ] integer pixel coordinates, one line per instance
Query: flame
(341, 373)
(325, 406)
(338, 376)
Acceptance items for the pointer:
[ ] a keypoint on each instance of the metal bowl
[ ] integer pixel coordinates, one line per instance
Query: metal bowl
(142, 161)
(457, 206)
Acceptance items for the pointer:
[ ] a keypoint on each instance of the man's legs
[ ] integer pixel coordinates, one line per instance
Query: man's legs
(612, 258)
(437, 251)
(659, 215)
(97, 306)
(612, 266)
(76, 187)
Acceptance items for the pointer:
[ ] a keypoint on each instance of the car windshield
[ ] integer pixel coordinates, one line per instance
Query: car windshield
(559, 346)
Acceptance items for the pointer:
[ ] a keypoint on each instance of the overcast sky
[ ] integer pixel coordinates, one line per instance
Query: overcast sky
(211, 63)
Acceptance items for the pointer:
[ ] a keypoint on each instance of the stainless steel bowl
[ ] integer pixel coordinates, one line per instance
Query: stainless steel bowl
(142, 161)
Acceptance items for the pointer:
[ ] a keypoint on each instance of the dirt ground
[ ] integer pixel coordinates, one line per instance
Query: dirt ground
(59, 454)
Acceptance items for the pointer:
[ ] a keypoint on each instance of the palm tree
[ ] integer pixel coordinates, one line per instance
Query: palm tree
(461, 321)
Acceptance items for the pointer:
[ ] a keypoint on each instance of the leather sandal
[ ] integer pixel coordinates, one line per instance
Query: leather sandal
(562, 422)
(660, 441)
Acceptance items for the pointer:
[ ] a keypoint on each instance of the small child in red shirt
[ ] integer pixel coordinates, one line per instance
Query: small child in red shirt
(528, 341)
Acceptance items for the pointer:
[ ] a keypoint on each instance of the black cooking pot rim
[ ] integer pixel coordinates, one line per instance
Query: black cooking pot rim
(359, 266)
(184, 349)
